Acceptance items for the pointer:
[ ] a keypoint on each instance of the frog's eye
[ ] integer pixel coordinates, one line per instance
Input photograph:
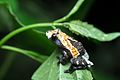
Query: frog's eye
(54, 35)
(58, 31)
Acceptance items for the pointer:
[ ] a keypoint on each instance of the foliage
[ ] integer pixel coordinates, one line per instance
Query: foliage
(87, 30)
(49, 70)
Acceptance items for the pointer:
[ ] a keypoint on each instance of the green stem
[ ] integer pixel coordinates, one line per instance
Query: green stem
(33, 55)
(13, 33)
(74, 10)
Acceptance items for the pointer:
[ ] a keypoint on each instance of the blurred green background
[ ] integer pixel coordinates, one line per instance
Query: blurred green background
(102, 13)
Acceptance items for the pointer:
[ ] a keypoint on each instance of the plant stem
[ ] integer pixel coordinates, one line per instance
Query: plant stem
(74, 10)
(33, 55)
(13, 33)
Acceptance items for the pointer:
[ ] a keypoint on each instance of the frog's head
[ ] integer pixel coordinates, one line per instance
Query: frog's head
(51, 34)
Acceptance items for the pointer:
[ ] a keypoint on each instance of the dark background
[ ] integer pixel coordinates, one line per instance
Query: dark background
(104, 14)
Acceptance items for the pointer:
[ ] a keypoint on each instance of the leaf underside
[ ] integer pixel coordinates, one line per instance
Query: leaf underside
(83, 28)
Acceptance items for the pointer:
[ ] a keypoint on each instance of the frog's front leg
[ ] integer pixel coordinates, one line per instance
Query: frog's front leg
(63, 58)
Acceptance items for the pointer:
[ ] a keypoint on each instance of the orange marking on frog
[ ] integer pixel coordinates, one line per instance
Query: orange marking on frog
(75, 52)
(64, 39)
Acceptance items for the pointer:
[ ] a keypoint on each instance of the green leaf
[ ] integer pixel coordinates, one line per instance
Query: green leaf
(88, 30)
(48, 70)
(77, 75)
(65, 76)
(84, 75)
(31, 54)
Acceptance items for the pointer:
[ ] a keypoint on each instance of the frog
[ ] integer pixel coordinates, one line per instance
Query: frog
(72, 51)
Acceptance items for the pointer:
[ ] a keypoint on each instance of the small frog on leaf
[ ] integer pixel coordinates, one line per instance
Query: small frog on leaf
(72, 51)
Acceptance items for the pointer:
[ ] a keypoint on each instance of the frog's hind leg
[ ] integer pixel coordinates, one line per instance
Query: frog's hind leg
(72, 68)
